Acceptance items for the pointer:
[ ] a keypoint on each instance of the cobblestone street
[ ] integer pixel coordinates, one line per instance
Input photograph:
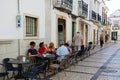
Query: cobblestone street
(102, 65)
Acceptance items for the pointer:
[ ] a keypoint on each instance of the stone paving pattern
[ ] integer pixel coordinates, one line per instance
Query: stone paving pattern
(103, 64)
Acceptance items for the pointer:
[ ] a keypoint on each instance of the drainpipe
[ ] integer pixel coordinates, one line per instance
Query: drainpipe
(18, 9)
(18, 6)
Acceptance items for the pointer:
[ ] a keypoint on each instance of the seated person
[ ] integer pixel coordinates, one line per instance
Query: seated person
(61, 52)
(69, 48)
(32, 52)
(42, 49)
(51, 48)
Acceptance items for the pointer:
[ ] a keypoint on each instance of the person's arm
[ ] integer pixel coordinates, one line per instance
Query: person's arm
(81, 41)
(39, 51)
(70, 51)
(46, 48)
(30, 55)
(57, 53)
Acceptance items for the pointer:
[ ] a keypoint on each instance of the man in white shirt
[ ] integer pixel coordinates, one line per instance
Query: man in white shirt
(61, 52)
(78, 41)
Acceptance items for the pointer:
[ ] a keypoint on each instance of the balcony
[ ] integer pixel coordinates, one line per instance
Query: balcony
(98, 17)
(93, 15)
(63, 5)
(82, 9)
(115, 28)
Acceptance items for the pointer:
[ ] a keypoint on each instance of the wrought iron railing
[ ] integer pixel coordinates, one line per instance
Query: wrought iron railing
(82, 9)
(98, 17)
(93, 15)
(64, 4)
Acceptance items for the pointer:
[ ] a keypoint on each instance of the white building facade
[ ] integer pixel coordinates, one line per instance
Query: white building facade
(115, 20)
(15, 38)
(47, 20)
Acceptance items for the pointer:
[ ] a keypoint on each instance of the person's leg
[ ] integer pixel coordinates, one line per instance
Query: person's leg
(76, 48)
(79, 47)
(100, 43)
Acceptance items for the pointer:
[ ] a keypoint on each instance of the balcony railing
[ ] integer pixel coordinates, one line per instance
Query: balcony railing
(82, 9)
(93, 15)
(65, 5)
(115, 28)
(98, 17)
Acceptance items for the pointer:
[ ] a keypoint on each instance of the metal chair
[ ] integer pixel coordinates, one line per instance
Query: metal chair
(44, 67)
(72, 60)
(93, 48)
(9, 66)
(88, 50)
(61, 65)
(33, 71)
(3, 72)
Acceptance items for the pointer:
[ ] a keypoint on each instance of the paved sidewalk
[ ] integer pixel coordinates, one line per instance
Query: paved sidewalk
(82, 70)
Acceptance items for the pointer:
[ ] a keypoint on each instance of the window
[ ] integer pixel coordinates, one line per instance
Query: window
(31, 26)
(115, 28)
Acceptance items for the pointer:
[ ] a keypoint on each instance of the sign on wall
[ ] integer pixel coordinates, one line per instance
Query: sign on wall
(18, 20)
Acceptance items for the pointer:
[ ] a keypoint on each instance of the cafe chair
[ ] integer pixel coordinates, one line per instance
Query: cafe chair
(93, 48)
(60, 66)
(72, 60)
(9, 66)
(33, 71)
(44, 68)
(3, 72)
(88, 50)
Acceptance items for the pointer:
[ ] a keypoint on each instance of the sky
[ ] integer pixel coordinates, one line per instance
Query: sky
(112, 5)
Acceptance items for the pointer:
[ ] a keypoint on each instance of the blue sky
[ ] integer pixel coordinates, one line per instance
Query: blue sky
(113, 5)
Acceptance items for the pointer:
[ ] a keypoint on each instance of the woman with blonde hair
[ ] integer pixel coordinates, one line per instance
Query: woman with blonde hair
(51, 47)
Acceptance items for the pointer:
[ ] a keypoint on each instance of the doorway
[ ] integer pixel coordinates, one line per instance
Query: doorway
(94, 36)
(114, 34)
(73, 29)
(61, 31)
(86, 34)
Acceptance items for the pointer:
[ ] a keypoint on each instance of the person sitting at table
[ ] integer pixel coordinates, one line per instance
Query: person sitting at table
(69, 48)
(51, 48)
(61, 52)
(42, 48)
(32, 52)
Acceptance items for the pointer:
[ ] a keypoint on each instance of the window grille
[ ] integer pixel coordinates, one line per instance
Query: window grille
(31, 26)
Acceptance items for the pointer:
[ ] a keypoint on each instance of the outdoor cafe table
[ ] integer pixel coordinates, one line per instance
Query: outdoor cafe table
(47, 55)
(20, 67)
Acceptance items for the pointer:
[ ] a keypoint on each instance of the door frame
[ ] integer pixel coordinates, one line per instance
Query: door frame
(59, 17)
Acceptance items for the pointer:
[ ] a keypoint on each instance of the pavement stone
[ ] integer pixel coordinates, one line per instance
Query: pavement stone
(103, 64)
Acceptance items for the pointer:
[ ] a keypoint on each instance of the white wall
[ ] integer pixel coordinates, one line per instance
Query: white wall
(112, 19)
(75, 7)
(9, 48)
(35, 8)
(54, 25)
(8, 19)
